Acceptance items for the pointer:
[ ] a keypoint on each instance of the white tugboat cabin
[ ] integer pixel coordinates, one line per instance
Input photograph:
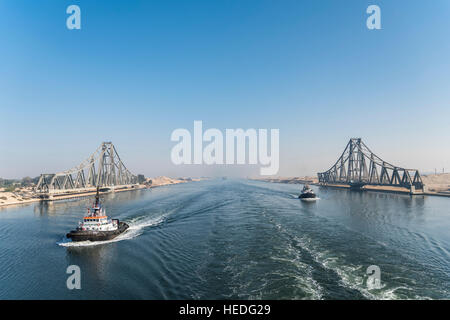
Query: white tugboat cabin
(98, 222)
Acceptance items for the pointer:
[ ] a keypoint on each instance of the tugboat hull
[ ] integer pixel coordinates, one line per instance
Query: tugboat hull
(307, 196)
(87, 235)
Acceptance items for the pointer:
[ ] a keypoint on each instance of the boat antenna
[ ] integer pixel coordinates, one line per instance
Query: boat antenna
(97, 197)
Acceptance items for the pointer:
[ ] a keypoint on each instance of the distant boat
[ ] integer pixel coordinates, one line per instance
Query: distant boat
(224, 178)
(307, 194)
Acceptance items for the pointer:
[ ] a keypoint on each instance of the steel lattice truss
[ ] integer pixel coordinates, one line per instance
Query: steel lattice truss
(103, 168)
(358, 166)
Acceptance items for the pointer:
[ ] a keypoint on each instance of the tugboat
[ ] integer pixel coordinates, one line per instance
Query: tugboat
(96, 226)
(307, 194)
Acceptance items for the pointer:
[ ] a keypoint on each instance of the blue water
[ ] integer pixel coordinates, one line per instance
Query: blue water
(233, 239)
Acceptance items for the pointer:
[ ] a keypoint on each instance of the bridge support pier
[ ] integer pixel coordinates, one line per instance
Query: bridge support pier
(414, 191)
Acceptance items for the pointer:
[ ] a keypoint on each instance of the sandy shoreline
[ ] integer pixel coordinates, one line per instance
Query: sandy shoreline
(25, 196)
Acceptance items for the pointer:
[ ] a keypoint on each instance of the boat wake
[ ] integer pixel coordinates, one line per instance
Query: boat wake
(136, 228)
(353, 276)
(309, 199)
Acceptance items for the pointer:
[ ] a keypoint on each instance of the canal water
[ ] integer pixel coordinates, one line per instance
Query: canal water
(233, 239)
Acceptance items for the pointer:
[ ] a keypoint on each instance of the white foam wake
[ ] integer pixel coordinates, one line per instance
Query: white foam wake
(136, 228)
(309, 199)
(351, 275)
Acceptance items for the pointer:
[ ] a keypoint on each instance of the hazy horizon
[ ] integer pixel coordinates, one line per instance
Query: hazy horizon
(136, 71)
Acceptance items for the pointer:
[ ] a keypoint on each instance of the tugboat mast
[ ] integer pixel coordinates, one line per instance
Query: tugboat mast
(97, 197)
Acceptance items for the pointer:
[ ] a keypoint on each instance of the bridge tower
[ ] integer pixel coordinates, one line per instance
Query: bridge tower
(358, 166)
(103, 168)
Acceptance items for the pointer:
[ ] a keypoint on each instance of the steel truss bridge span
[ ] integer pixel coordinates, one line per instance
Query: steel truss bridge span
(359, 166)
(103, 168)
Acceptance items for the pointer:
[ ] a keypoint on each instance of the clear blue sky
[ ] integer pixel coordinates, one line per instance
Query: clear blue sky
(137, 70)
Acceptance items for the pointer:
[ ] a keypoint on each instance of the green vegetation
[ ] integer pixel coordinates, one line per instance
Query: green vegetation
(10, 189)
(25, 182)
